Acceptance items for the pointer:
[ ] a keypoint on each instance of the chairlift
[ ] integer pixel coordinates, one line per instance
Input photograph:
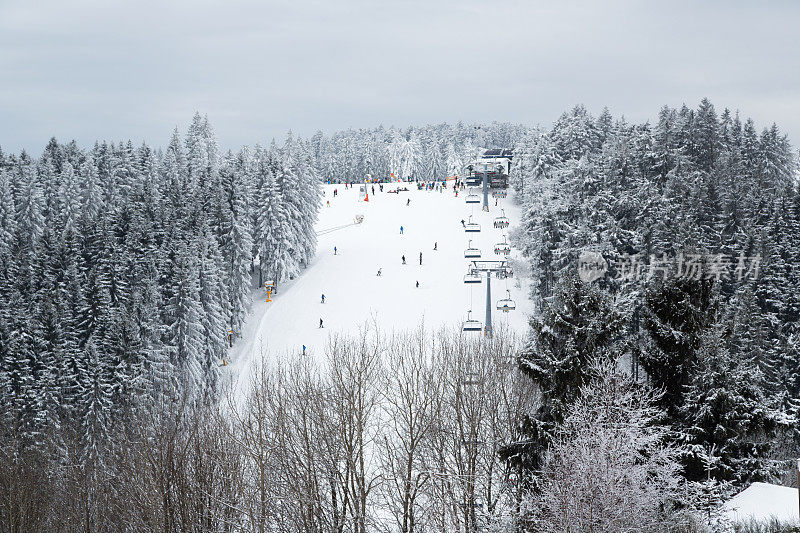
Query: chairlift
(505, 272)
(502, 248)
(472, 278)
(506, 304)
(501, 222)
(472, 253)
(472, 227)
(472, 325)
(473, 198)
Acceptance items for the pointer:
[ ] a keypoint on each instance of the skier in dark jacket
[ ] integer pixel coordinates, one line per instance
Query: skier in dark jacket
(420, 258)
(404, 259)
(323, 298)
(320, 322)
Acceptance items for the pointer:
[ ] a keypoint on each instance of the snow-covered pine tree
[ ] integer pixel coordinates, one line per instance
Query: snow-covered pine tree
(676, 315)
(214, 311)
(95, 408)
(577, 326)
(236, 232)
(182, 312)
(727, 412)
(309, 199)
(92, 202)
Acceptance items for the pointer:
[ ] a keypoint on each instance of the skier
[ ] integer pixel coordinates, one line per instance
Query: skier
(379, 272)
(329, 203)
(323, 298)
(408, 202)
(462, 223)
(401, 230)
(304, 349)
(320, 322)
(335, 192)
(373, 190)
(418, 284)
(436, 246)
(420, 258)
(404, 259)
(334, 250)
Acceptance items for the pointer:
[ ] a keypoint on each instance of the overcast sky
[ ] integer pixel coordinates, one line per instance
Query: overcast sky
(90, 70)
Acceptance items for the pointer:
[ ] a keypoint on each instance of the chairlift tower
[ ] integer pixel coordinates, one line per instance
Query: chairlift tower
(502, 270)
(485, 186)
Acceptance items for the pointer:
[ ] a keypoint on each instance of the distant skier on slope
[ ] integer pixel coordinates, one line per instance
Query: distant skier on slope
(304, 349)
(420, 258)
(404, 259)
(408, 202)
(462, 223)
(418, 284)
(323, 298)
(334, 250)
(320, 322)
(401, 230)
(379, 272)
(436, 246)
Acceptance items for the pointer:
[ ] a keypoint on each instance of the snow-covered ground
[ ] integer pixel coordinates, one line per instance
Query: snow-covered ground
(355, 295)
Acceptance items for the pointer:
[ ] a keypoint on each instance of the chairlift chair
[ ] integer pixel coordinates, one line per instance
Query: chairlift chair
(499, 193)
(474, 180)
(472, 325)
(473, 198)
(502, 248)
(506, 304)
(501, 222)
(472, 278)
(472, 253)
(472, 227)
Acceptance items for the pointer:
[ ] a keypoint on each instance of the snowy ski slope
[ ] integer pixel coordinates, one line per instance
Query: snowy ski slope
(354, 294)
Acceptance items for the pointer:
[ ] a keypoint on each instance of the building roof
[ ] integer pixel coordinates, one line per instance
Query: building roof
(498, 152)
(763, 502)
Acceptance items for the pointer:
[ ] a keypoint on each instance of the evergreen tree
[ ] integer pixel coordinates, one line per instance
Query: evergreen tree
(730, 425)
(237, 241)
(676, 315)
